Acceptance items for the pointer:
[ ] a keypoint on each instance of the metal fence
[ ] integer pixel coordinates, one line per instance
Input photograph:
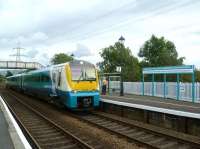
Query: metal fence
(185, 90)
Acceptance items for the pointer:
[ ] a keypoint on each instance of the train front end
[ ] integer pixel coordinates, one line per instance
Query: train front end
(83, 82)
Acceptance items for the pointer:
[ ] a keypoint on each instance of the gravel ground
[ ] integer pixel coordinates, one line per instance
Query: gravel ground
(73, 124)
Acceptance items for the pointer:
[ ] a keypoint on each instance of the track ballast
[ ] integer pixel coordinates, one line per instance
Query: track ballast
(43, 132)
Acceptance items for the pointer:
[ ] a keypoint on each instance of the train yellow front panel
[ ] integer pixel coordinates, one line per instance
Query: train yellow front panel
(80, 85)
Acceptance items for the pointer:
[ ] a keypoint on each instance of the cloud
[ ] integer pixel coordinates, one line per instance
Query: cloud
(31, 53)
(82, 51)
(47, 27)
(35, 39)
(43, 58)
(39, 36)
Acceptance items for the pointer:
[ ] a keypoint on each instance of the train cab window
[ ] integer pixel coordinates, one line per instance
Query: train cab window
(90, 73)
(82, 71)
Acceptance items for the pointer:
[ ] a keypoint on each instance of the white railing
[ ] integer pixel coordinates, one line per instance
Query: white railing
(185, 92)
(20, 65)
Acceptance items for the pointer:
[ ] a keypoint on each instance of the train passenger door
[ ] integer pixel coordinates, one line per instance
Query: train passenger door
(56, 80)
(53, 77)
(58, 83)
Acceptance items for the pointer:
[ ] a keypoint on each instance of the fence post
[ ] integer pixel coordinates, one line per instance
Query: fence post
(196, 89)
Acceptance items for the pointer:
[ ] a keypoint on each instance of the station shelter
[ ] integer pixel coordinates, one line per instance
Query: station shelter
(113, 82)
(177, 70)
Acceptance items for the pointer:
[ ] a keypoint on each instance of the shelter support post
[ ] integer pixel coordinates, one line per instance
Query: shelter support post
(153, 79)
(108, 85)
(143, 84)
(121, 86)
(164, 88)
(193, 87)
(177, 86)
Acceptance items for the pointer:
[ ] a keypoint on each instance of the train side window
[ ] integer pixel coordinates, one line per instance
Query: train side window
(38, 78)
(33, 78)
(59, 78)
(45, 78)
(54, 77)
(42, 78)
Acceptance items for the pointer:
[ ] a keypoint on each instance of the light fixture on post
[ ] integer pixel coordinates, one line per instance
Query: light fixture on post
(121, 40)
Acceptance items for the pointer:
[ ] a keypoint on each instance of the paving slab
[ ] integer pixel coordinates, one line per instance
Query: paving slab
(5, 139)
(170, 106)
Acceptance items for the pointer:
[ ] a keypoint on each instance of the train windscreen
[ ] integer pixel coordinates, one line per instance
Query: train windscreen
(82, 71)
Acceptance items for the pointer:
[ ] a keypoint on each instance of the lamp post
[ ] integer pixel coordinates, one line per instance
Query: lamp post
(121, 40)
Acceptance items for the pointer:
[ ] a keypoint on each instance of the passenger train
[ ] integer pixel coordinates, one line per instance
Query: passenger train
(73, 84)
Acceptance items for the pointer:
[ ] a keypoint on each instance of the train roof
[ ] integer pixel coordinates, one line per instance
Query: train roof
(16, 75)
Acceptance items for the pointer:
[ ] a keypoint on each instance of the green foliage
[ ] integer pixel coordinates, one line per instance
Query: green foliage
(61, 58)
(2, 78)
(159, 52)
(197, 75)
(188, 78)
(9, 73)
(118, 55)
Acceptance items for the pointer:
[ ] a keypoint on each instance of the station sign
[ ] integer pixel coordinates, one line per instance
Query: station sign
(185, 69)
(118, 68)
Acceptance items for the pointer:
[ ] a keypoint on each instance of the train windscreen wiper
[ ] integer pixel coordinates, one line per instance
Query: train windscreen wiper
(81, 76)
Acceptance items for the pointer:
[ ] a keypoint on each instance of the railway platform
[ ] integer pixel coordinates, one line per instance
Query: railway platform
(5, 139)
(11, 136)
(169, 106)
(178, 115)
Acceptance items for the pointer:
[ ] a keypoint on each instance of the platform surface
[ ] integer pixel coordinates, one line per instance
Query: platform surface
(150, 101)
(5, 139)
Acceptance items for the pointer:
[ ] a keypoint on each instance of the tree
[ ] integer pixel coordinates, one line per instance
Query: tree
(197, 74)
(118, 55)
(1, 77)
(159, 52)
(8, 73)
(61, 58)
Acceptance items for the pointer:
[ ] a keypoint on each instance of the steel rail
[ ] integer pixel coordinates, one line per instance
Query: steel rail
(195, 141)
(76, 139)
(96, 121)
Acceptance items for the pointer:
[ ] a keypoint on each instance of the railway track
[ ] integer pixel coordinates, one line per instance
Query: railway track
(43, 132)
(137, 134)
(133, 133)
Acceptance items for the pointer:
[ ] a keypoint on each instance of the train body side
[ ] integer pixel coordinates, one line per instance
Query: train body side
(14, 82)
(56, 83)
(37, 83)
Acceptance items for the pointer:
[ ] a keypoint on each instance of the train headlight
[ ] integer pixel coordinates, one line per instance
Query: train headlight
(74, 91)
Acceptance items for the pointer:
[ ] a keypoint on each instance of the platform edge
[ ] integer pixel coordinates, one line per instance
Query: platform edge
(18, 138)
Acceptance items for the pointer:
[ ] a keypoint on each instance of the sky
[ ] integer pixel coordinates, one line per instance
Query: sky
(83, 27)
